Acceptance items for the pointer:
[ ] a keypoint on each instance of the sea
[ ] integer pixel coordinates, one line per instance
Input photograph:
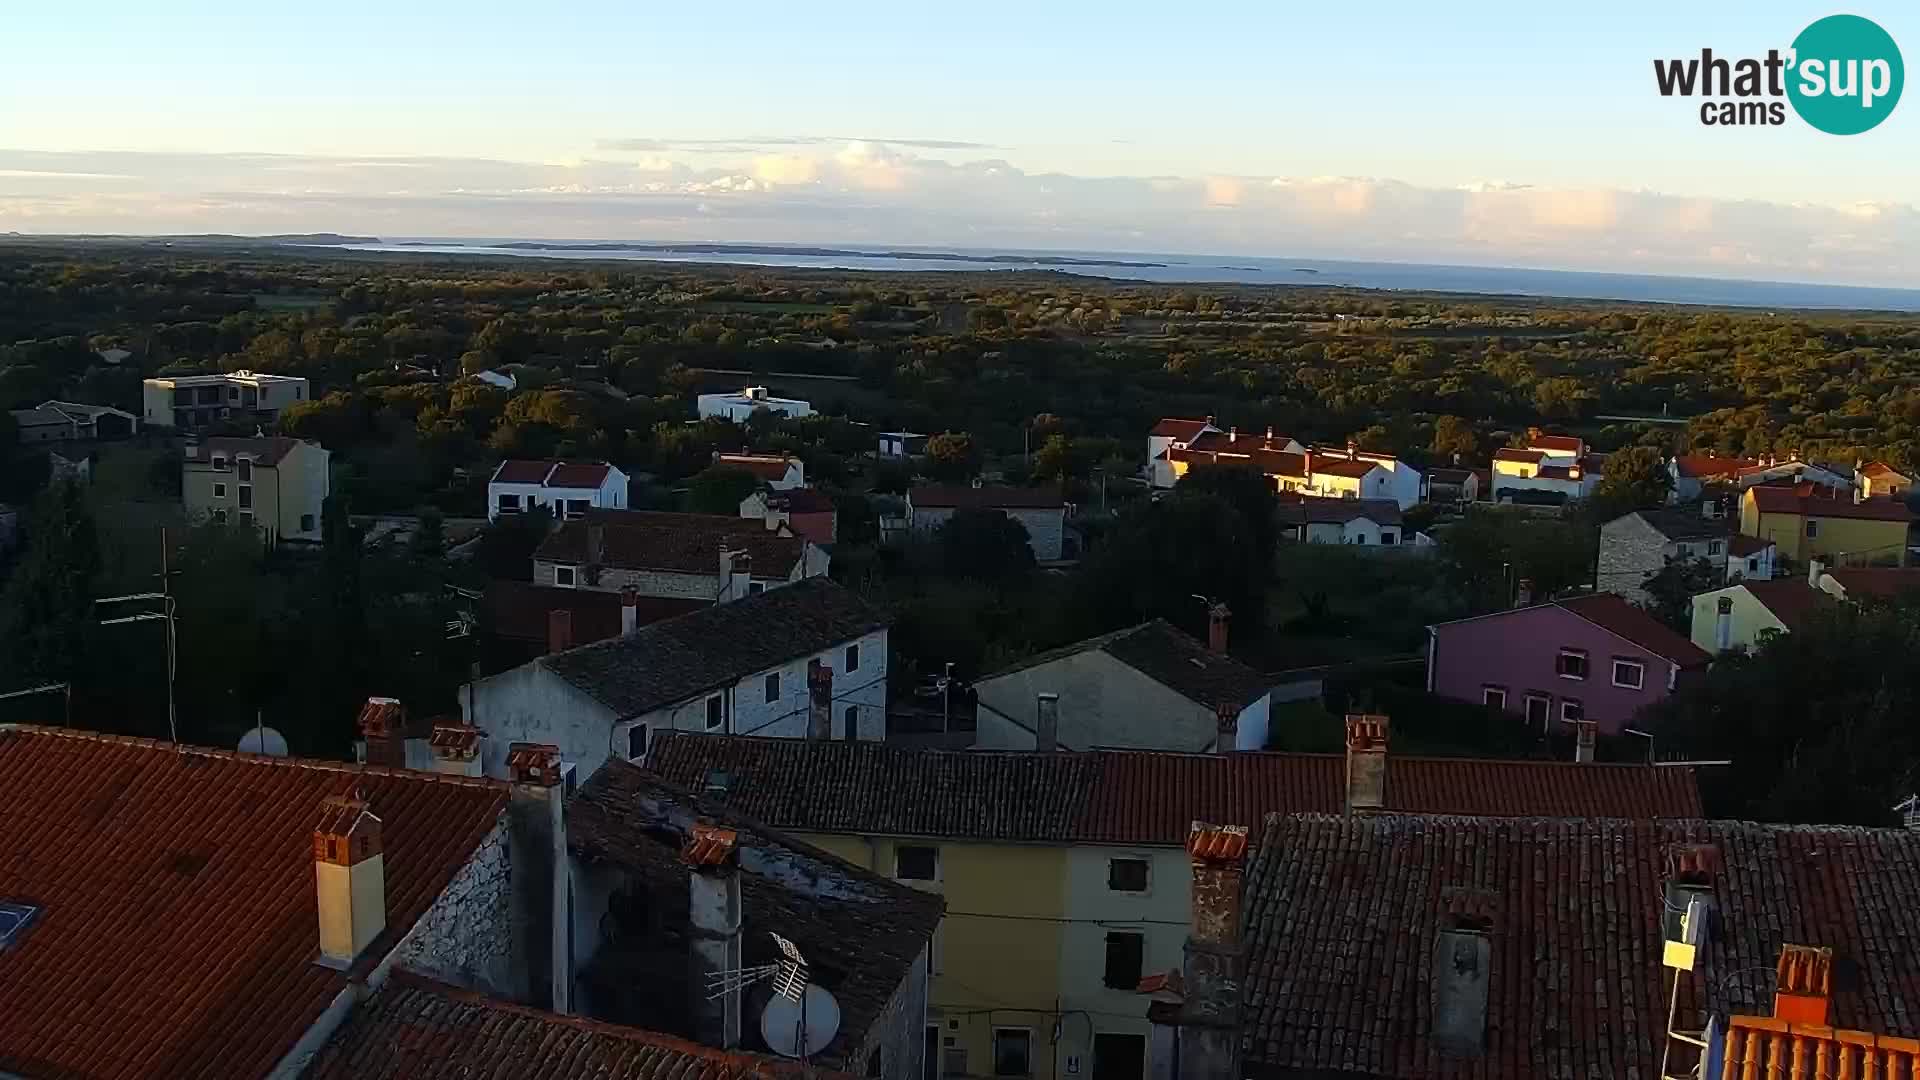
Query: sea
(1243, 269)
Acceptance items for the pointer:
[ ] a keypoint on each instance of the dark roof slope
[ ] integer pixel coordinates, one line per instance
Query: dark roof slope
(1131, 797)
(1353, 469)
(676, 658)
(1342, 915)
(1770, 499)
(518, 609)
(1616, 616)
(1170, 657)
(1791, 600)
(1685, 524)
(177, 931)
(861, 933)
(417, 1029)
(1179, 430)
(990, 496)
(1882, 581)
(677, 543)
(1309, 509)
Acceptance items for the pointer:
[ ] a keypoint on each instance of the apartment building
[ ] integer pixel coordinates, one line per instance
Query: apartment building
(192, 402)
(278, 484)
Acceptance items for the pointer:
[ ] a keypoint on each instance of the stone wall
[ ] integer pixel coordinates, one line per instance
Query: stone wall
(466, 937)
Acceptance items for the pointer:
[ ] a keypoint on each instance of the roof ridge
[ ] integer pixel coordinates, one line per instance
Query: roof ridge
(1789, 827)
(246, 757)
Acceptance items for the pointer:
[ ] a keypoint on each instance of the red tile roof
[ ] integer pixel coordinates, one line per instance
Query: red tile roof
(264, 451)
(1884, 582)
(1708, 466)
(1569, 444)
(1743, 546)
(1342, 467)
(1270, 462)
(1179, 430)
(1343, 916)
(177, 929)
(1125, 797)
(761, 466)
(1617, 617)
(1791, 600)
(989, 496)
(1310, 509)
(417, 1029)
(677, 543)
(1877, 469)
(522, 472)
(804, 500)
(1529, 457)
(1228, 442)
(1770, 499)
(518, 609)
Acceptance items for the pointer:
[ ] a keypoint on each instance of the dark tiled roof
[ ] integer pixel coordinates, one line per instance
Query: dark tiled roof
(1448, 475)
(1169, 656)
(1307, 509)
(1270, 462)
(416, 1029)
(860, 932)
(1877, 581)
(1616, 616)
(578, 474)
(1133, 797)
(675, 659)
(677, 543)
(1342, 915)
(801, 501)
(1704, 466)
(1877, 469)
(513, 471)
(1747, 545)
(264, 451)
(1179, 430)
(1785, 500)
(988, 496)
(518, 609)
(1685, 524)
(1528, 457)
(1791, 600)
(1342, 467)
(177, 928)
(1570, 444)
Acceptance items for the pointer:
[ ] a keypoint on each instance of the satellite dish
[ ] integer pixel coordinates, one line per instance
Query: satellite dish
(788, 1035)
(263, 740)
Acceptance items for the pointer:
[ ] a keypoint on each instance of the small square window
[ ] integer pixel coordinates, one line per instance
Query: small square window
(1126, 953)
(1813, 529)
(509, 504)
(1685, 551)
(1127, 875)
(246, 517)
(220, 517)
(715, 713)
(1572, 711)
(1629, 673)
(1494, 696)
(1572, 664)
(851, 662)
(636, 742)
(219, 491)
(306, 523)
(563, 576)
(1715, 547)
(219, 463)
(1753, 565)
(1013, 1051)
(755, 588)
(912, 862)
(773, 687)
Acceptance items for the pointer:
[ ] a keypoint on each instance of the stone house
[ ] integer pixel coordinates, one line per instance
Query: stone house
(1639, 544)
(706, 557)
(1043, 512)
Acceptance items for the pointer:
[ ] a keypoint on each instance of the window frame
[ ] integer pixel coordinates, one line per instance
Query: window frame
(1565, 654)
(244, 493)
(1546, 708)
(220, 515)
(507, 502)
(1107, 972)
(1026, 1037)
(1640, 680)
(853, 722)
(219, 491)
(716, 714)
(572, 578)
(306, 523)
(1715, 547)
(850, 659)
(933, 849)
(1572, 705)
(1813, 529)
(646, 736)
(1489, 693)
(243, 470)
(770, 687)
(1139, 1040)
(1146, 875)
(220, 463)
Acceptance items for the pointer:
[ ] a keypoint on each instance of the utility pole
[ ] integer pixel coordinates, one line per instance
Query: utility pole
(946, 696)
(166, 615)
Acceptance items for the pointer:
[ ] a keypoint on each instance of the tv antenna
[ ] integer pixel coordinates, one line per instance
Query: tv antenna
(789, 974)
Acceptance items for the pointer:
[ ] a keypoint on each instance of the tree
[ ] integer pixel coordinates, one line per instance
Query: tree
(1488, 552)
(1059, 460)
(1454, 438)
(952, 457)
(719, 489)
(984, 544)
(1670, 590)
(1636, 478)
(1562, 398)
(507, 545)
(1163, 554)
(48, 609)
(1248, 491)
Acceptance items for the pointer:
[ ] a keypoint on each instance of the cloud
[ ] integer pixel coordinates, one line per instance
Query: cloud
(866, 191)
(747, 144)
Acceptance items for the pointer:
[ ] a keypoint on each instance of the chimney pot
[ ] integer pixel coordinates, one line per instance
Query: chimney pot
(559, 630)
(1226, 719)
(1583, 731)
(1366, 762)
(1046, 726)
(1523, 595)
(1803, 987)
(456, 749)
(539, 886)
(382, 725)
(536, 764)
(349, 879)
(629, 610)
(1218, 616)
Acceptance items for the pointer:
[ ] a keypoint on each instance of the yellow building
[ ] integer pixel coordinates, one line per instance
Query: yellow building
(277, 485)
(1834, 530)
(1737, 616)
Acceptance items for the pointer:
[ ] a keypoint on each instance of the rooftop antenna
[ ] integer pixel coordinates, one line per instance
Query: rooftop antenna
(165, 614)
(789, 974)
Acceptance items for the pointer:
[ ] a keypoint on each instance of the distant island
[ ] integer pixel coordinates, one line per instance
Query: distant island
(809, 253)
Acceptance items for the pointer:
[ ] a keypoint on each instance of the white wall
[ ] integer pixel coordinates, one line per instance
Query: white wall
(1160, 915)
(738, 407)
(531, 704)
(1046, 528)
(1103, 702)
(610, 495)
(788, 716)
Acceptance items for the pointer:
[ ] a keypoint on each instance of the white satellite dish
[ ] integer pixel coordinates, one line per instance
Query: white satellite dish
(263, 740)
(789, 1035)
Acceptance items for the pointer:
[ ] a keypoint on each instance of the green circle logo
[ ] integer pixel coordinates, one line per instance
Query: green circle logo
(1846, 76)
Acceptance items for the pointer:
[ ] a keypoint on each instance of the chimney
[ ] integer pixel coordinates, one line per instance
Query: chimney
(1046, 723)
(382, 728)
(629, 611)
(538, 888)
(1723, 624)
(1366, 762)
(1226, 726)
(1523, 593)
(1269, 435)
(1461, 957)
(1218, 615)
(1307, 465)
(1803, 985)
(1815, 568)
(559, 630)
(713, 918)
(1583, 740)
(456, 749)
(1209, 1042)
(819, 701)
(350, 880)
(1233, 434)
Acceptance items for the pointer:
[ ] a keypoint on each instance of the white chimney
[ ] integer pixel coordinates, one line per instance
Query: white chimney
(713, 919)
(1723, 624)
(1815, 568)
(1046, 724)
(1583, 732)
(538, 887)
(1523, 595)
(629, 611)
(1462, 958)
(350, 880)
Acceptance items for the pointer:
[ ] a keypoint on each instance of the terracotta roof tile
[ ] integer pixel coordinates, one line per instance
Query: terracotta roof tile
(416, 1029)
(763, 467)
(989, 496)
(1770, 499)
(518, 609)
(1343, 467)
(1528, 457)
(512, 471)
(1126, 797)
(264, 451)
(1743, 546)
(1570, 444)
(1616, 616)
(1342, 915)
(1791, 600)
(1708, 466)
(177, 930)
(1310, 509)
(1179, 430)
(579, 474)
(1885, 582)
(675, 543)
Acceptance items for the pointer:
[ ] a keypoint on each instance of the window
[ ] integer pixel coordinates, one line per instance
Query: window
(773, 687)
(219, 491)
(755, 588)
(1631, 674)
(1539, 708)
(1572, 711)
(1127, 875)
(1388, 538)
(1012, 1052)
(246, 517)
(1753, 565)
(1494, 696)
(715, 714)
(1126, 950)
(1572, 664)
(1723, 606)
(220, 516)
(1813, 529)
(851, 661)
(577, 507)
(916, 863)
(219, 463)
(509, 504)
(853, 722)
(1685, 551)
(15, 918)
(563, 576)
(1715, 547)
(243, 468)
(1119, 1056)
(233, 393)
(306, 523)
(246, 497)
(636, 742)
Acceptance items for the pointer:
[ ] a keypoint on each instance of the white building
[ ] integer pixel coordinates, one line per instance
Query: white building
(780, 472)
(1171, 433)
(685, 556)
(737, 407)
(1361, 522)
(900, 445)
(197, 401)
(1549, 469)
(567, 488)
(503, 379)
(737, 668)
(1403, 483)
(1043, 512)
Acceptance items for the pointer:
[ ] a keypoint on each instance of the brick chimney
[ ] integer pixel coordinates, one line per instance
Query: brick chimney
(538, 887)
(382, 726)
(819, 701)
(456, 749)
(1803, 985)
(1226, 728)
(1366, 762)
(1218, 616)
(1209, 1043)
(713, 918)
(350, 881)
(559, 630)
(629, 611)
(1046, 722)
(1462, 957)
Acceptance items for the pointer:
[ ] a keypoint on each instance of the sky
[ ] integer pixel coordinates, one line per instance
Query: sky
(1492, 133)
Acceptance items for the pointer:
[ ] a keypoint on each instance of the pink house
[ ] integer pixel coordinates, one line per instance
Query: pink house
(1594, 658)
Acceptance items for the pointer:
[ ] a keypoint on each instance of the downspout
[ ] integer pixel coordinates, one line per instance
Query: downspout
(1433, 654)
